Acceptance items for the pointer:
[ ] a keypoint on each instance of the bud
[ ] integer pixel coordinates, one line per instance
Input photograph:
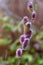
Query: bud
(33, 15)
(27, 27)
(28, 24)
(29, 34)
(25, 19)
(30, 6)
(25, 43)
(19, 52)
(22, 37)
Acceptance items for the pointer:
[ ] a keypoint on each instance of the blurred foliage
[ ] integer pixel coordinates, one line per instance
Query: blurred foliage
(4, 42)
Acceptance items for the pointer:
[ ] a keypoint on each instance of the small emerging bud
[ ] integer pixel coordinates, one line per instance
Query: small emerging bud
(25, 43)
(19, 52)
(25, 19)
(33, 15)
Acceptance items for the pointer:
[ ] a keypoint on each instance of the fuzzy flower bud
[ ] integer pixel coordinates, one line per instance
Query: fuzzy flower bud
(22, 37)
(25, 19)
(27, 27)
(25, 43)
(30, 5)
(29, 34)
(33, 15)
(28, 24)
(19, 52)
